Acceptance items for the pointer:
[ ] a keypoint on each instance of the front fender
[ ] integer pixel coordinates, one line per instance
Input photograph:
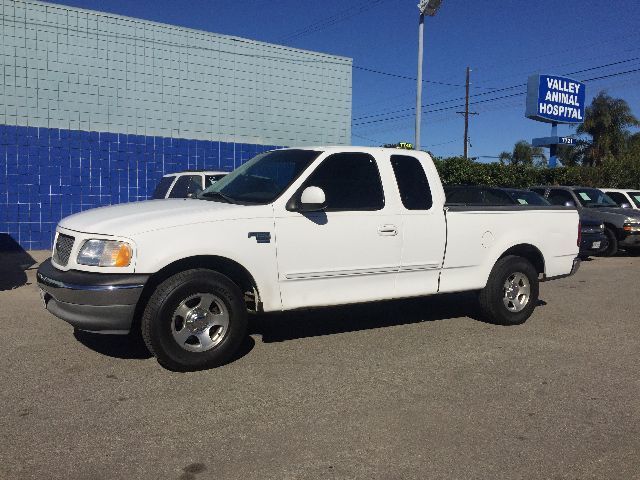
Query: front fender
(235, 240)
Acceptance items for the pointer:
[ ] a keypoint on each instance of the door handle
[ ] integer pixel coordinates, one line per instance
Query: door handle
(388, 230)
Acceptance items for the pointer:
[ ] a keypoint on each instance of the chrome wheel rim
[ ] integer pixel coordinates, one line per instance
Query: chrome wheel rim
(200, 322)
(517, 292)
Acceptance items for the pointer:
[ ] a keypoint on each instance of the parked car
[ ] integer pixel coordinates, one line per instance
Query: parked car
(476, 195)
(485, 195)
(291, 229)
(185, 184)
(593, 238)
(622, 225)
(625, 198)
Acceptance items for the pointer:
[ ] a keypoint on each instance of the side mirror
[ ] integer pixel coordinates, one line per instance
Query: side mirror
(569, 203)
(625, 205)
(312, 200)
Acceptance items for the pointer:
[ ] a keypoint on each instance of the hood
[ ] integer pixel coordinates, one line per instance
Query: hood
(128, 219)
(624, 212)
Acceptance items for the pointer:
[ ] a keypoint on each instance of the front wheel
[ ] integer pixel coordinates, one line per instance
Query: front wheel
(511, 293)
(194, 320)
(612, 248)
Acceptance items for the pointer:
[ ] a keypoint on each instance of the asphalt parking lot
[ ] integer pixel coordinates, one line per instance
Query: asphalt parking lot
(396, 390)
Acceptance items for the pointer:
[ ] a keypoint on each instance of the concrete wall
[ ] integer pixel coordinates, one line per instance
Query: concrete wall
(68, 70)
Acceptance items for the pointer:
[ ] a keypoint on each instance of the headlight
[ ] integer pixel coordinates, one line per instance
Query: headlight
(632, 227)
(105, 253)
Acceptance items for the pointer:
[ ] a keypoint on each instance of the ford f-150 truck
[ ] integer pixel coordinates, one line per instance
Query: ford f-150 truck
(296, 228)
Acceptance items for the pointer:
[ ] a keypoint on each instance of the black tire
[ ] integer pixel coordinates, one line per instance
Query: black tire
(612, 248)
(491, 297)
(156, 324)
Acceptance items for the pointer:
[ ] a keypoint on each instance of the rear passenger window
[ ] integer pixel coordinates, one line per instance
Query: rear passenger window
(350, 181)
(412, 182)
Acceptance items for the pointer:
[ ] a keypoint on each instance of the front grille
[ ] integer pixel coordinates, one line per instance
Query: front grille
(61, 252)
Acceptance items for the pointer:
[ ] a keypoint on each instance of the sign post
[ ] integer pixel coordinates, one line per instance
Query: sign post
(553, 99)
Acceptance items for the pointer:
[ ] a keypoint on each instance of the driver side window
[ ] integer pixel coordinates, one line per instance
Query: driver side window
(351, 182)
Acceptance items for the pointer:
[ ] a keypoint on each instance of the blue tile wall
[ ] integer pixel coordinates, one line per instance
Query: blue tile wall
(49, 173)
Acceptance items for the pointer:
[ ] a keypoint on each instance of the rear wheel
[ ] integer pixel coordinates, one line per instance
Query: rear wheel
(194, 320)
(612, 248)
(511, 293)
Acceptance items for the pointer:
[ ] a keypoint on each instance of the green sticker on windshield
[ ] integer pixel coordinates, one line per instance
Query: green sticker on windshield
(522, 201)
(637, 197)
(585, 196)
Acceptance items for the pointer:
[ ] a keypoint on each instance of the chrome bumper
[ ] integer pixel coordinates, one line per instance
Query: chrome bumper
(95, 302)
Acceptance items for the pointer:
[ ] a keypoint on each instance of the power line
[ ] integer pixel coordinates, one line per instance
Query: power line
(330, 21)
(404, 77)
(488, 100)
(492, 91)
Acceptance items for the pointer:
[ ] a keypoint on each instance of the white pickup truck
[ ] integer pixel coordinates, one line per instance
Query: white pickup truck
(291, 229)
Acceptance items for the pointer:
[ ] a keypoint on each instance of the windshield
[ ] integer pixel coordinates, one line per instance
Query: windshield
(262, 179)
(592, 197)
(635, 196)
(524, 197)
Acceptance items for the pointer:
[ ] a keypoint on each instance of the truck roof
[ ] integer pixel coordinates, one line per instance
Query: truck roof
(342, 148)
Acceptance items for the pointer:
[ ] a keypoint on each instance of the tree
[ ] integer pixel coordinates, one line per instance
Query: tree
(606, 121)
(524, 154)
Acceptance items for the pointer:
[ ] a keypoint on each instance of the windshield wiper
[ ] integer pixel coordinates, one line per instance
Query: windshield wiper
(226, 198)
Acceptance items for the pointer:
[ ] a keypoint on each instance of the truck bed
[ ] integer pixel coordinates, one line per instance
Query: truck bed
(478, 235)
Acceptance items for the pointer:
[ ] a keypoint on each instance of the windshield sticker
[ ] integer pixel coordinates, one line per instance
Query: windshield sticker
(522, 201)
(637, 197)
(585, 196)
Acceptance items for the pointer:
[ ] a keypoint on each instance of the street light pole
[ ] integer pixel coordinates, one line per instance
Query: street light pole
(426, 7)
(419, 85)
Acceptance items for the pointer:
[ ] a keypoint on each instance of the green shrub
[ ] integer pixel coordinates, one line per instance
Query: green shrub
(614, 173)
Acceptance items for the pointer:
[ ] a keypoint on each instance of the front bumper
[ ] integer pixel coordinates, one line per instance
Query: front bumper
(95, 302)
(630, 240)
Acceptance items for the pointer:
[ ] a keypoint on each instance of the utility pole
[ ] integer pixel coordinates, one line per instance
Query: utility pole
(466, 114)
(428, 7)
(466, 118)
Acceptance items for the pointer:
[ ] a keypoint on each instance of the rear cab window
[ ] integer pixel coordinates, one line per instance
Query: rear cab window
(412, 182)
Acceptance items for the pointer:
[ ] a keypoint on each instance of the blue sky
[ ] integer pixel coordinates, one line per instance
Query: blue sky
(503, 42)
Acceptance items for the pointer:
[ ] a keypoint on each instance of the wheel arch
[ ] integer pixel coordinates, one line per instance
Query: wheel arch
(236, 272)
(613, 228)
(529, 252)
